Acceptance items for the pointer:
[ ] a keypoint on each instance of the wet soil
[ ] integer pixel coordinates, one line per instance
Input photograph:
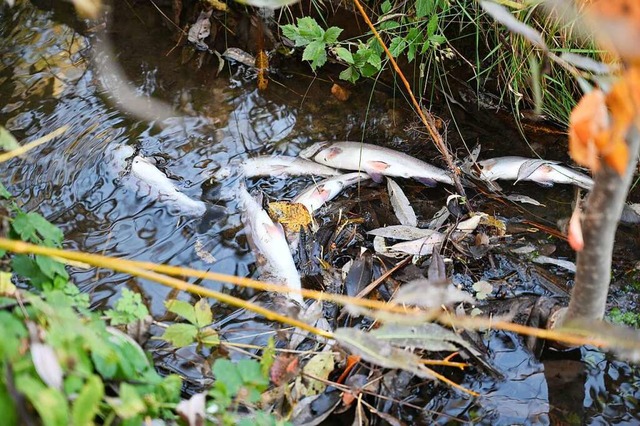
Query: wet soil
(47, 81)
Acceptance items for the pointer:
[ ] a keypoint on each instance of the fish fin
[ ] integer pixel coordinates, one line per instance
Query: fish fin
(427, 181)
(375, 169)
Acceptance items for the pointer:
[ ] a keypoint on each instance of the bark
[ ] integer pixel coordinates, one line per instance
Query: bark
(602, 213)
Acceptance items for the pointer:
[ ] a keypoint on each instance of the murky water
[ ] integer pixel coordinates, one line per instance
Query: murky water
(46, 81)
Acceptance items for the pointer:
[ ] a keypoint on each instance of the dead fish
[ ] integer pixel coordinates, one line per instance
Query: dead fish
(268, 240)
(376, 161)
(154, 183)
(314, 197)
(544, 172)
(282, 165)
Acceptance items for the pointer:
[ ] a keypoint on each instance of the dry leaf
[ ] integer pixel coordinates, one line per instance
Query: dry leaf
(284, 368)
(262, 65)
(218, 5)
(292, 216)
(340, 93)
(587, 122)
(192, 410)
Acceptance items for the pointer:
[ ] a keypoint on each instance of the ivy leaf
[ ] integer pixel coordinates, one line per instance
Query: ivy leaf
(183, 309)
(331, 35)
(7, 141)
(180, 335)
(375, 61)
(203, 315)
(315, 52)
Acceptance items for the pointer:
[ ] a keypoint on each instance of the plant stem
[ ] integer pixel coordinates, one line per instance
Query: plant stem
(602, 213)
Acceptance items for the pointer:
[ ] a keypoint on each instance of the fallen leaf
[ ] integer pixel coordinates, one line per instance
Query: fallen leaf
(321, 365)
(379, 352)
(292, 216)
(284, 368)
(192, 410)
(340, 93)
(588, 120)
(425, 293)
(400, 203)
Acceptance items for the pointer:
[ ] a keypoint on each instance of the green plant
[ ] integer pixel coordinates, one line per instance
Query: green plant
(198, 316)
(315, 40)
(128, 309)
(628, 318)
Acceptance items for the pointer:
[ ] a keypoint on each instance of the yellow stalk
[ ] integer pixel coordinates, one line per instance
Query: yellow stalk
(25, 148)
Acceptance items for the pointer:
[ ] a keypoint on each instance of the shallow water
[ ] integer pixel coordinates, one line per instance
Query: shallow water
(46, 81)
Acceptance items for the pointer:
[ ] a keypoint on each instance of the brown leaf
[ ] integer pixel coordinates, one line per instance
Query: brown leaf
(588, 120)
(284, 368)
(340, 93)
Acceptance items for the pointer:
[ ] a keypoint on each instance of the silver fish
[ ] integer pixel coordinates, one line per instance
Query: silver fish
(268, 240)
(154, 183)
(315, 196)
(544, 172)
(376, 161)
(282, 165)
(274, 166)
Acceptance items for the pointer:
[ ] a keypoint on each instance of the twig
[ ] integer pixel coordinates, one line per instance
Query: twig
(426, 118)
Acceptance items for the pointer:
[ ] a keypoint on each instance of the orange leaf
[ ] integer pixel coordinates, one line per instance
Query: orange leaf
(588, 120)
(340, 93)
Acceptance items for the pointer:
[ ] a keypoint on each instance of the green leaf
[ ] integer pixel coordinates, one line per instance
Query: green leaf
(350, 74)
(291, 32)
(3, 192)
(331, 35)
(368, 70)
(345, 55)
(424, 8)
(386, 6)
(437, 39)
(128, 404)
(309, 29)
(375, 61)
(26, 267)
(268, 357)
(7, 406)
(315, 52)
(50, 403)
(425, 46)
(180, 335)
(208, 337)
(432, 26)
(397, 46)
(251, 374)
(87, 404)
(128, 309)
(13, 332)
(389, 25)
(226, 373)
(7, 141)
(50, 267)
(203, 313)
(183, 309)
(33, 227)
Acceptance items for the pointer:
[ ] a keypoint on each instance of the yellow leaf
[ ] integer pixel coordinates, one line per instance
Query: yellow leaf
(218, 5)
(292, 216)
